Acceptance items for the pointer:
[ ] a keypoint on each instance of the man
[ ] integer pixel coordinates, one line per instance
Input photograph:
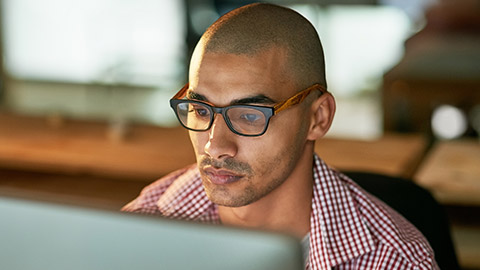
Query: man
(255, 104)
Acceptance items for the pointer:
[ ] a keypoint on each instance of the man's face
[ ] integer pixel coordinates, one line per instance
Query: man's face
(238, 170)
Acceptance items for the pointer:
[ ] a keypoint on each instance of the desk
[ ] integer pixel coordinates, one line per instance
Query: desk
(451, 171)
(393, 154)
(83, 147)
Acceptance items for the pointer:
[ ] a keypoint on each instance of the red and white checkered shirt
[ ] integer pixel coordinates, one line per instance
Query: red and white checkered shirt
(349, 228)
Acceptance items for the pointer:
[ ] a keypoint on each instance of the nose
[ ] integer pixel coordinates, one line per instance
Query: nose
(221, 141)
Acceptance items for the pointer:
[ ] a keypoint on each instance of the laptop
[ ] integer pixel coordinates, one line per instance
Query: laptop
(42, 235)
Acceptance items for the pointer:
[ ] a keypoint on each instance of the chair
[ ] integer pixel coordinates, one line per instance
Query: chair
(418, 206)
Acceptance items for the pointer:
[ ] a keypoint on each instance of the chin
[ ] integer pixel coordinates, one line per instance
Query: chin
(224, 197)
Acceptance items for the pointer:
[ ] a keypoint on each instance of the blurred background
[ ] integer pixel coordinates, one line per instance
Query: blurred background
(84, 90)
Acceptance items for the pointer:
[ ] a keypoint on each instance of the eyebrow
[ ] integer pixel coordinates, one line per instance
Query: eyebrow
(195, 96)
(258, 99)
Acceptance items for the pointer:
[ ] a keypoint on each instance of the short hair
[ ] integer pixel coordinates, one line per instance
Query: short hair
(257, 27)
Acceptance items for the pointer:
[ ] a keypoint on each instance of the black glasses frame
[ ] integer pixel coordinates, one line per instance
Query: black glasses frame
(267, 111)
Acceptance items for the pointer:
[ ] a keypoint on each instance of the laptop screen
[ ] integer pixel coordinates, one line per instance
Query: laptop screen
(39, 235)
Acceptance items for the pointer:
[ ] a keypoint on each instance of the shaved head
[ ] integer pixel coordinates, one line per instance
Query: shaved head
(255, 28)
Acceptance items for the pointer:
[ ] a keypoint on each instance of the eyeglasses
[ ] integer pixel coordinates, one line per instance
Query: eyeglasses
(244, 120)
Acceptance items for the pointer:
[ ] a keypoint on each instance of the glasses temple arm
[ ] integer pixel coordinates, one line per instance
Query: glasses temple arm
(298, 98)
(181, 94)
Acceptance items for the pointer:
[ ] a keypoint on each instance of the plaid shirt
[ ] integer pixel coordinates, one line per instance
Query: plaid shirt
(349, 228)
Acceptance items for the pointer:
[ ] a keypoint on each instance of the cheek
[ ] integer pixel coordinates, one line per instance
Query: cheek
(198, 139)
(287, 130)
(281, 145)
(266, 155)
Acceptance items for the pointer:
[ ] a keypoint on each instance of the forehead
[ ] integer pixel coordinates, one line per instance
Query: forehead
(223, 77)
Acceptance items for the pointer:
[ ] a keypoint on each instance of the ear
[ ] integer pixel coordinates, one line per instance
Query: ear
(321, 116)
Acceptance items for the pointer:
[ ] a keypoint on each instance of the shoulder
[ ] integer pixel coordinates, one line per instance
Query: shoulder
(147, 200)
(377, 235)
(398, 243)
(386, 256)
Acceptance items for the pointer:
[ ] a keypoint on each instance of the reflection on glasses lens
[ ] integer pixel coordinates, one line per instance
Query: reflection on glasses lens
(194, 116)
(247, 121)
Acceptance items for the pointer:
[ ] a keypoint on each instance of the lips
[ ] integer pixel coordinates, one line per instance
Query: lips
(221, 177)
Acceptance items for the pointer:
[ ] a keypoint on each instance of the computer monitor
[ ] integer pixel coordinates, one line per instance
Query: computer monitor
(40, 235)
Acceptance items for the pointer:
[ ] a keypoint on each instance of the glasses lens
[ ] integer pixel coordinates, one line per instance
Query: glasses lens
(247, 121)
(194, 116)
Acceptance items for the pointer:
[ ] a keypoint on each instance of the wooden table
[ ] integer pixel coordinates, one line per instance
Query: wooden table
(393, 154)
(451, 171)
(82, 147)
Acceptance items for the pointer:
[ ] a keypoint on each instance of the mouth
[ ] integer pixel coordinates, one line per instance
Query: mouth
(221, 177)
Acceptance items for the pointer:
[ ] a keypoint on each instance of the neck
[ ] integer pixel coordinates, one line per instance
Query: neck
(286, 209)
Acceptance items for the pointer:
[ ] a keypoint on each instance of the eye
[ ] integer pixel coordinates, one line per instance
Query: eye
(250, 117)
(200, 111)
(246, 118)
